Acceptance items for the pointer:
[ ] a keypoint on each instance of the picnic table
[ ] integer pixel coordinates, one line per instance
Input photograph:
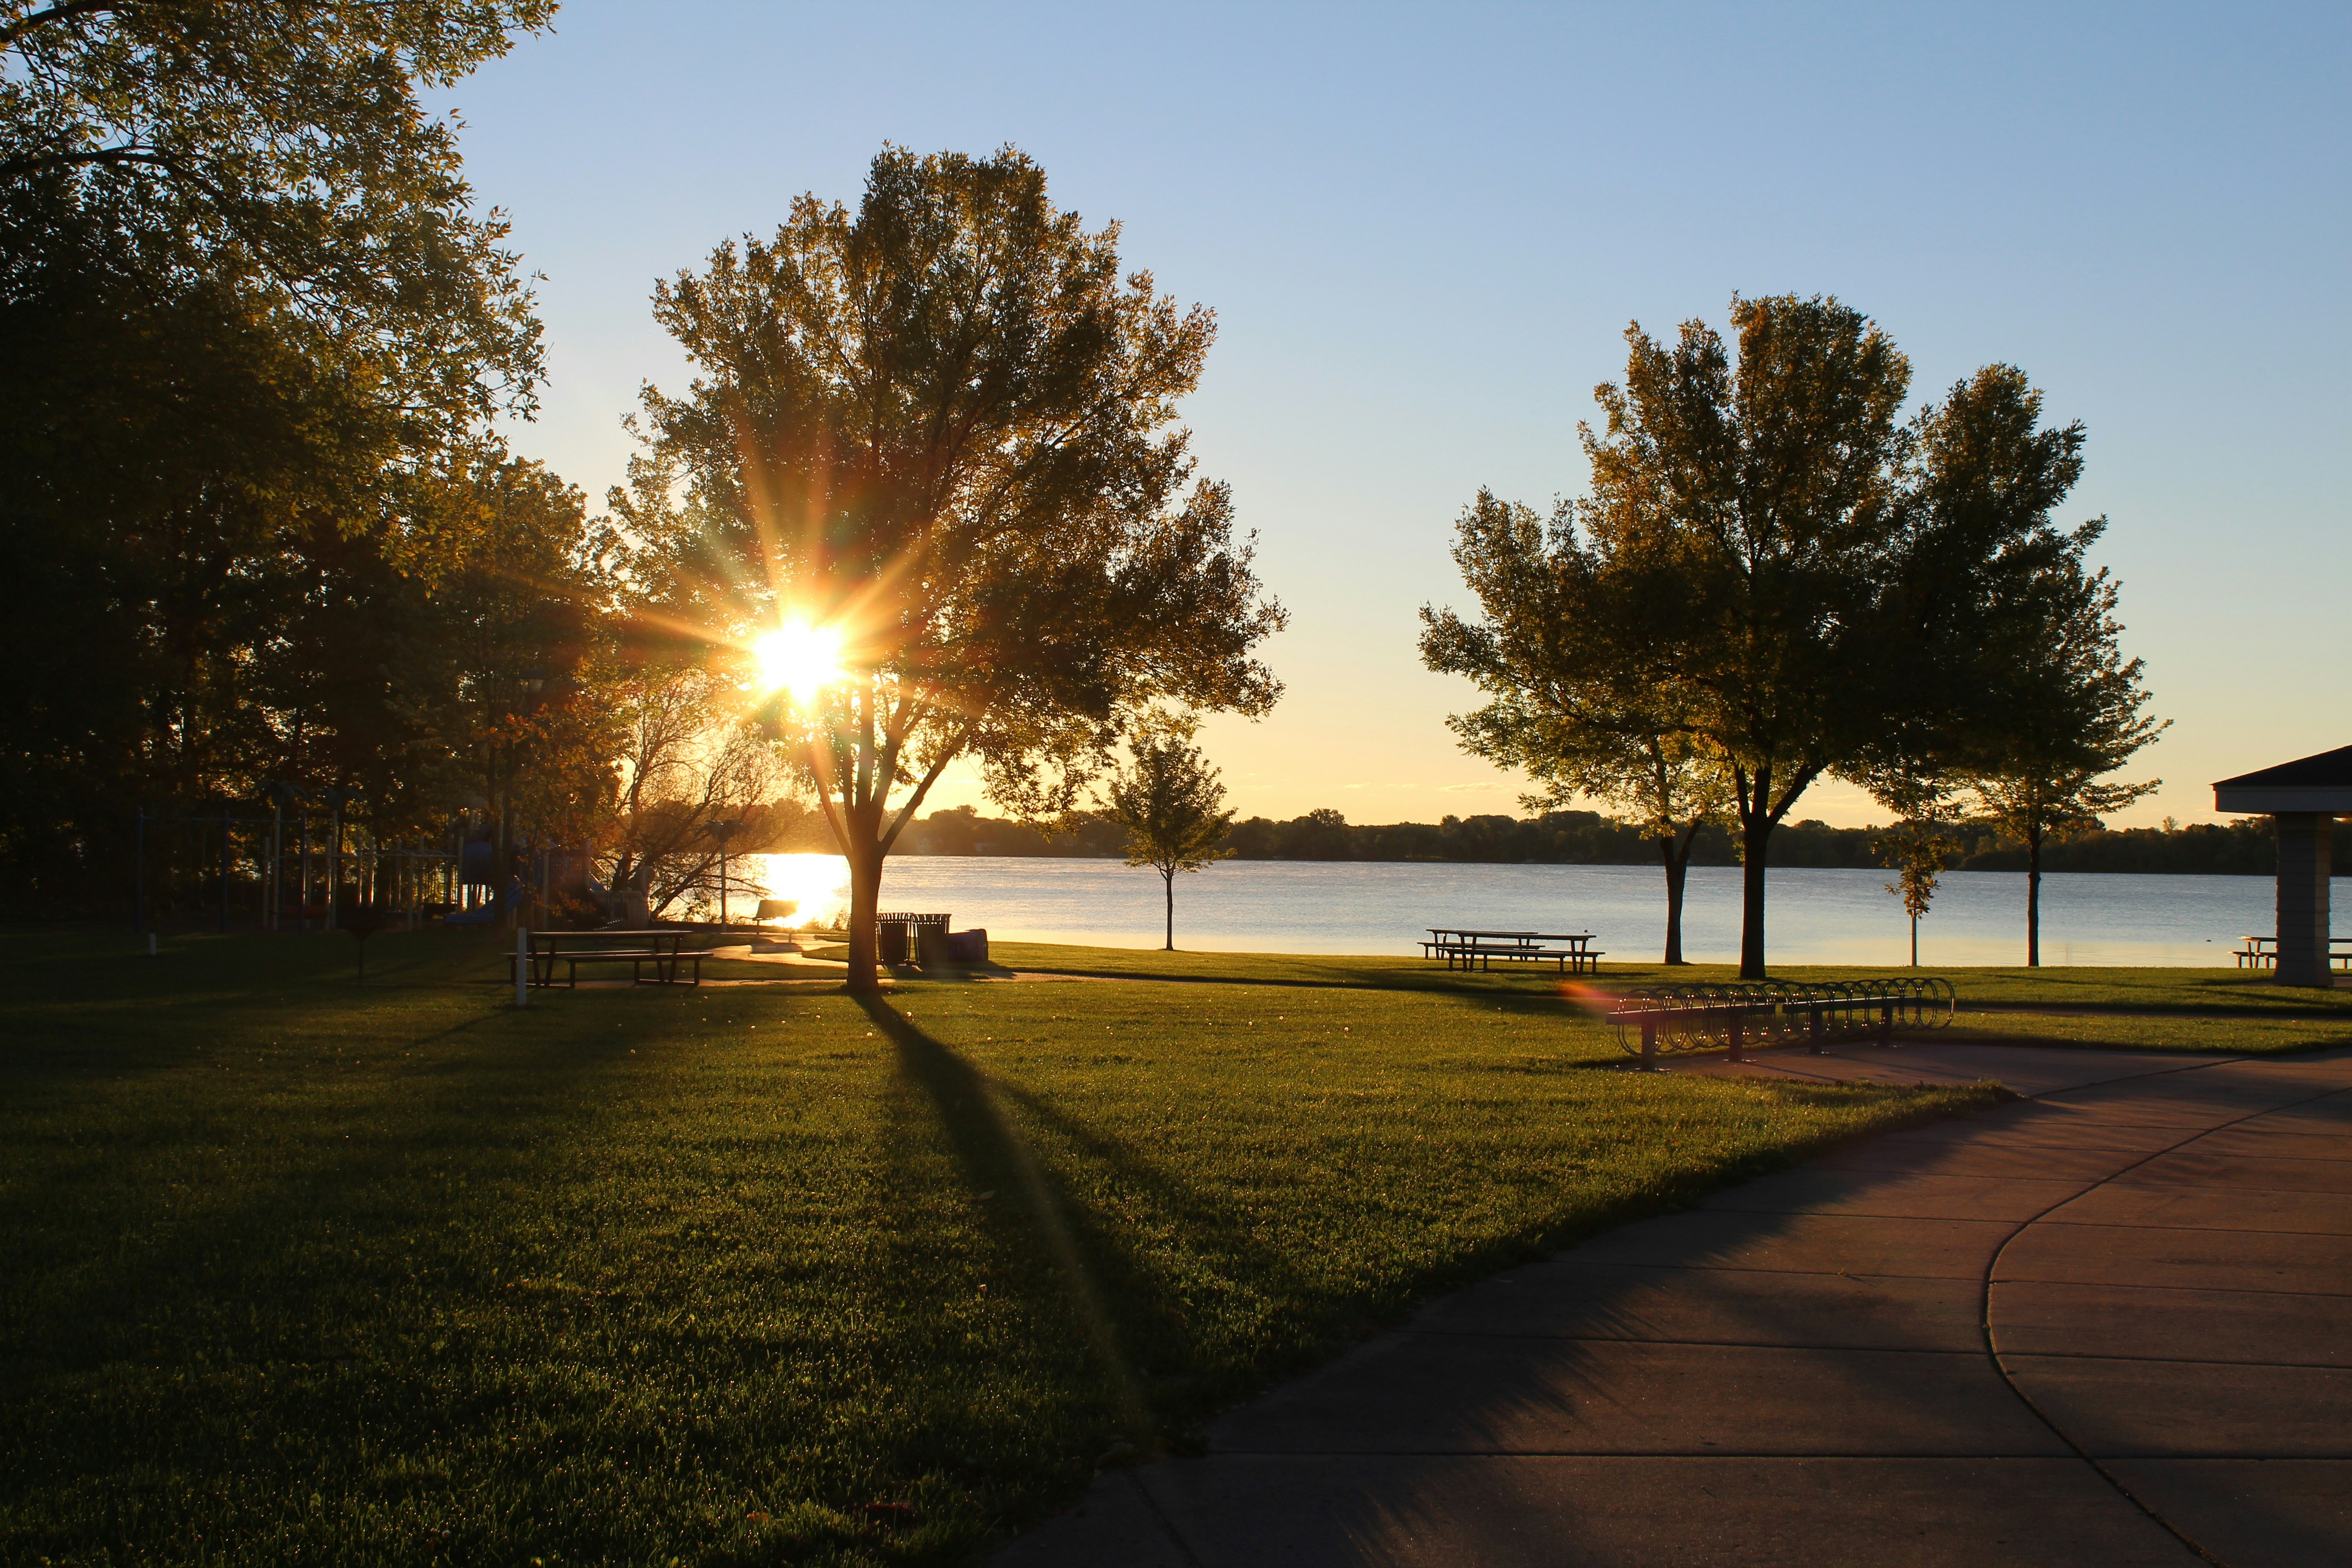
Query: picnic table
(2262, 951)
(665, 951)
(1470, 948)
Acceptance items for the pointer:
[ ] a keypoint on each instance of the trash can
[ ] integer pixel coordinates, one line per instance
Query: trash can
(903, 938)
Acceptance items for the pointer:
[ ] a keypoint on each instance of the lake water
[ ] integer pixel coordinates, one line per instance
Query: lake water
(1313, 906)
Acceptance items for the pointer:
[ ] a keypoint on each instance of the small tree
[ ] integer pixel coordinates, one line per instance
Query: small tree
(1549, 652)
(1919, 851)
(689, 762)
(1172, 803)
(2074, 714)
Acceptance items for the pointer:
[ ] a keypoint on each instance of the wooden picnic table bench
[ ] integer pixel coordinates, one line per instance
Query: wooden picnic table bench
(2262, 951)
(665, 951)
(1472, 948)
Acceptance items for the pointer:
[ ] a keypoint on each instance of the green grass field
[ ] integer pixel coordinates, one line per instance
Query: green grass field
(2199, 1010)
(299, 1269)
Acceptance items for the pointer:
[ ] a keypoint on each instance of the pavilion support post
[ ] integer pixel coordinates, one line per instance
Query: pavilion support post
(2303, 870)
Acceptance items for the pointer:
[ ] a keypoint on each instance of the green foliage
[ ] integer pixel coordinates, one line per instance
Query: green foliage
(399, 1274)
(1918, 851)
(1777, 573)
(1173, 805)
(251, 333)
(279, 151)
(2074, 715)
(1749, 511)
(1565, 706)
(944, 427)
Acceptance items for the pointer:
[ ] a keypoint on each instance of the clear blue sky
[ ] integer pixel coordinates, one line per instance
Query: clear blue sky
(1425, 231)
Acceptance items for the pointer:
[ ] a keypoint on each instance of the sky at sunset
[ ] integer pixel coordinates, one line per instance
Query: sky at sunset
(1425, 231)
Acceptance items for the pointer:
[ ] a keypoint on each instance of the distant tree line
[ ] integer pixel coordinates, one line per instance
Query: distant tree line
(1589, 838)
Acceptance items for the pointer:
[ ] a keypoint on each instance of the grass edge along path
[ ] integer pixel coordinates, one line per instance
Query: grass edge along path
(401, 1274)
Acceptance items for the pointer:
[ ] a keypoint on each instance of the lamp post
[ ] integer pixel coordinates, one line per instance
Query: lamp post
(528, 683)
(336, 799)
(723, 831)
(281, 791)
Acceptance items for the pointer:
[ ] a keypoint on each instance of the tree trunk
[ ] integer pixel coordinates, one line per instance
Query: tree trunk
(1170, 879)
(1915, 942)
(1755, 833)
(865, 859)
(1677, 869)
(2034, 898)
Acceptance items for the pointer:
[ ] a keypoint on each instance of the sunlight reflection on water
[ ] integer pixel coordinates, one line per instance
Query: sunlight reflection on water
(816, 885)
(1298, 906)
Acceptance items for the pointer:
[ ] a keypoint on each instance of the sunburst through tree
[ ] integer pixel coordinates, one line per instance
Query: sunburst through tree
(928, 492)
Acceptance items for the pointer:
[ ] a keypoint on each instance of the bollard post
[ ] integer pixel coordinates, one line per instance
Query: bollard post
(1887, 1024)
(522, 966)
(1819, 1031)
(1649, 1045)
(1731, 1038)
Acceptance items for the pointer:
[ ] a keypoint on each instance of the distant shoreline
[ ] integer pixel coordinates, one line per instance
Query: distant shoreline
(2243, 848)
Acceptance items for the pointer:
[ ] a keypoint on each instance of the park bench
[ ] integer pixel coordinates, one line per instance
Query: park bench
(1737, 1017)
(664, 950)
(1480, 949)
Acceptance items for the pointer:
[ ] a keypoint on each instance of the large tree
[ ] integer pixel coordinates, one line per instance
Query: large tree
(929, 477)
(1779, 572)
(1567, 707)
(1747, 510)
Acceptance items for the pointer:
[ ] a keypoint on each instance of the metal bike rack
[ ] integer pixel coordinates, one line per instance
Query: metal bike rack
(1731, 1017)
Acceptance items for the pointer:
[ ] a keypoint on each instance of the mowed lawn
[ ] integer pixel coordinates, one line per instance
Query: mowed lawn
(2233, 1011)
(300, 1271)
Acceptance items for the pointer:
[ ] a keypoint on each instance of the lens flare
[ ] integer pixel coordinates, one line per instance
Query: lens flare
(816, 886)
(800, 658)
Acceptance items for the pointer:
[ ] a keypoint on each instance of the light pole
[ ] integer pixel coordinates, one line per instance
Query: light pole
(723, 831)
(528, 684)
(336, 798)
(280, 791)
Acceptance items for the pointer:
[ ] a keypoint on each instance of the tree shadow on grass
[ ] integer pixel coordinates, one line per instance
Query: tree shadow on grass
(992, 1157)
(1137, 1309)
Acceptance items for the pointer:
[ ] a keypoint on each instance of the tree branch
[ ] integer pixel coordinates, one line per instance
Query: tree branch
(1798, 782)
(836, 818)
(907, 812)
(64, 11)
(99, 155)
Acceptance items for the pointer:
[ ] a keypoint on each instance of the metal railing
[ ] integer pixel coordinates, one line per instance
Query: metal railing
(1734, 1018)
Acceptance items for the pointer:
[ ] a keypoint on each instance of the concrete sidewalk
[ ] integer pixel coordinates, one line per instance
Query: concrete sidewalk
(2110, 1324)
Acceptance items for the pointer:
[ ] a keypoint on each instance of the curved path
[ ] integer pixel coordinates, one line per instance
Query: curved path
(2108, 1324)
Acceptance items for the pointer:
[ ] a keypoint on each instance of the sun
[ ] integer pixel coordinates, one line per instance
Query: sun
(800, 658)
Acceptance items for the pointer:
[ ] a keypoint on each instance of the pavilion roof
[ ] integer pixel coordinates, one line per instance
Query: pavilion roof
(2322, 783)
